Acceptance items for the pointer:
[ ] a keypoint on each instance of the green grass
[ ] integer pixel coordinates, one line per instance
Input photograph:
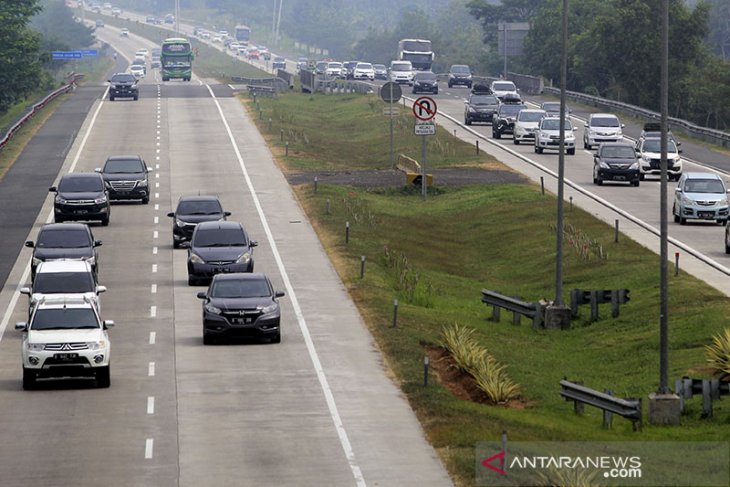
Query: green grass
(208, 63)
(498, 237)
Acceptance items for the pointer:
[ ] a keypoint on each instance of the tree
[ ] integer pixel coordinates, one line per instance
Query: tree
(491, 13)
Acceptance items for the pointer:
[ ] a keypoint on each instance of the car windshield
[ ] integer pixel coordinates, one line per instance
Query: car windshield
(364, 66)
(379, 67)
(63, 239)
(116, 166)
(618, 152)
(526, 116)
(504, 86)
(220, 237)
(554, 124)
(123, 78)
(63, 282)
(484, 100)
(511, 110)
(64, 319)
(551, 106)
(604, 122)
(89, 184)
(210, 207)
(401, 67)
(654, 145)
(334, 65)
(244, 288)
(425, 77)
(460, 69)
(704, 186)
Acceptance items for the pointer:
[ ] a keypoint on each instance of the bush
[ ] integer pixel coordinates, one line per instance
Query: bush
(718, 355)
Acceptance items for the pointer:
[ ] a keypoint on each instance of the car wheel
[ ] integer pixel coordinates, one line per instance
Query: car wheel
(29, 382)
(571, 152)
(538, 150)
(467, 121)
(192, 280)
(635, 183)
(165, 79)
(145, 200)
(682, 220)
(111, 98)
(57, 220)
(585, 145)
(469, 86)
(207, 339)
(136, 97)
(496, 134)
(103, 377)
(276, 338)
(722, 222)
(105, 221)
(642, 177)
(436, 92)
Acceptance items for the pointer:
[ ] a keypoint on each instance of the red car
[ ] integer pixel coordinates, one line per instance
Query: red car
(253, 53)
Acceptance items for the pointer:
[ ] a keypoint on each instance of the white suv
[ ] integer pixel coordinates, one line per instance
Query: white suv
(401, 72)
(72, 278)
(548, 135)
(602, 127)
(650, 152)
(65, 337)
(502, 88)
(526, 124)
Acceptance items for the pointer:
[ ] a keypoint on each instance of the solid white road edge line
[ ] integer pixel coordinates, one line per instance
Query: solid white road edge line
(329, 397)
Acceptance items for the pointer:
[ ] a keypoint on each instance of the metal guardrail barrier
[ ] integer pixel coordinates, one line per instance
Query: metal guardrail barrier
(579, 394)
(71, 81)
(711, 390)
(276, 84)
(498, 301)
(616, 297)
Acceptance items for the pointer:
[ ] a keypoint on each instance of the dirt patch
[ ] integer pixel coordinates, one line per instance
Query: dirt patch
(461, 384)
(454, 177)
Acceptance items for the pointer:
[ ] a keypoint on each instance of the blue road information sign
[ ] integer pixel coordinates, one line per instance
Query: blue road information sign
(66, 54)
(89, 52)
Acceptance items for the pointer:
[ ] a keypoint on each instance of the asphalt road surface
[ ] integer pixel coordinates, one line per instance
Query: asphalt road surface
(316, 409)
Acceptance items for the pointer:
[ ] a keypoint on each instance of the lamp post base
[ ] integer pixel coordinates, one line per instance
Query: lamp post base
(664, 409)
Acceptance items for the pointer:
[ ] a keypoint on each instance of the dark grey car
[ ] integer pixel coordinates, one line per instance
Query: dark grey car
(192, 210)
(217, 248)
(616, 161)
(241, 305)
(81, 196)
(126, 178)
(58, 241)
(123, 85)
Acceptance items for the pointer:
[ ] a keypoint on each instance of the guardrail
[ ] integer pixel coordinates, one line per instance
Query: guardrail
(70, 85)
(534, 311)
(616, 297)
(579, 394)
(711, 390)
(275, 84)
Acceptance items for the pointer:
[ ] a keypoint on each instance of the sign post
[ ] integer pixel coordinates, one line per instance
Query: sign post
(390, 93)
(424, 108)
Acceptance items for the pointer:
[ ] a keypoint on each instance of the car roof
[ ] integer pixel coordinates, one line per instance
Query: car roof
(240, 276)
(52, 227)
(616, 144)
(70, 265)
(223, 225)
(533, 110)
(198, 198)
(124, 158)
(80, 175)
(56, 301)
(702, 175)
(592, 115)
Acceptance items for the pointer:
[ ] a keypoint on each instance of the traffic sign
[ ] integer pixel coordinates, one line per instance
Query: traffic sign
(425, 128)
(391, 111)
(390, 92)
(424, 108)
(89, 52)
(66, 55)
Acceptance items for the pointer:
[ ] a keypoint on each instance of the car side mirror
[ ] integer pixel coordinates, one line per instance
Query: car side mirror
(184, 245)
(108, 81)
(202, 295)
(29, 243)
(100, 289)
(21, 326)
(97, 169)
(575, 129)
(253, 243)
(108, 324)
(279, 294)
(585, 125)
(677, 189)
(52, 189)
(25, 290)
(171, 214)
(97, 243)
(226, 213)
(149, 169)
(623, 125)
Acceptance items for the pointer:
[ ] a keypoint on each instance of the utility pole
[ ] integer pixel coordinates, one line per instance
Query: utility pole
(177, 16)
(273, 23)
(278, 22)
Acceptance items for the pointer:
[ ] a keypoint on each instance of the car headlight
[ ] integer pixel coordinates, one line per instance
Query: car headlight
(634, 166)
(35, 347)
(60, 200)
(179, 223)
(99, 201)
(196, 259)
(646, 158)
(603, 165)
(36, 261)
(212, 309)
(269, 309)
(100, 345)
(244, 259)
(142, 184)
(686, 200)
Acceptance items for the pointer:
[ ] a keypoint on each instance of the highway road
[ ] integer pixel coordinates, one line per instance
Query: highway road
(317, 409)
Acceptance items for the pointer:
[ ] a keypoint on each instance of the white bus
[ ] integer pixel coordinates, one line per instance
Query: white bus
(417, 51)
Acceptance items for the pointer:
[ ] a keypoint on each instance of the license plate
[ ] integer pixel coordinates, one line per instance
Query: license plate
(65, 356)
(619, 178)
(706, 214)
(242, 321)
(80, 212)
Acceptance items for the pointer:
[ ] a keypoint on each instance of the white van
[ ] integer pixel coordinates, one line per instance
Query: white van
(401, 72)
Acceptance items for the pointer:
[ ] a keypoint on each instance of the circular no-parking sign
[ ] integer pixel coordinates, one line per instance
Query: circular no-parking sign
(424, 108)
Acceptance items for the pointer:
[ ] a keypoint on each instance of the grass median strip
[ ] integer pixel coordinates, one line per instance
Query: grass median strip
(435, 255)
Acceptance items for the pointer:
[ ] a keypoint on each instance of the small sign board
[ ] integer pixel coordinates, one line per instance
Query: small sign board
(391, 111)
(390, 92)
(89, 52)
(66, 55)
(425, 128)
(424, 108)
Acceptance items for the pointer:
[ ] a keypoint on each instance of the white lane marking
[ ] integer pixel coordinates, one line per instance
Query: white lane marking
(26, 272)
(151, 369)
(151, 405)
(158, 143)
(153, 311)
(157, 195)
(148, 445)
(153, 289)
(155, 234)
(157, 185)
(157, 175)
(157, 220)
(326, 390)
(153, 337)
(154, 267)
(154, 250)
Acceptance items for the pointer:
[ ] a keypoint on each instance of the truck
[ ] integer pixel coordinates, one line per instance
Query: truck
(243, 34)
(417, 51)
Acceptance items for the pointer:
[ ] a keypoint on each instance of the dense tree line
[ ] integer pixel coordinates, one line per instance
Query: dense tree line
(614, 51)
(31, 29)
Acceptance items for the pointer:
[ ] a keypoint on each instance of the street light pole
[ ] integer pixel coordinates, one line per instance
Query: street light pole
(177, 16)
(561, 157)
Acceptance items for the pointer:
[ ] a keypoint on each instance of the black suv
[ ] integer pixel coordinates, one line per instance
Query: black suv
(192, 210)
(480, 107)
(425, 81)
(504, 120)
(81, 196)
(616, 161)
(57, 241)
(241, 305)
(126, 178)
(219, 247)
(460, 74)
(123, 85)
